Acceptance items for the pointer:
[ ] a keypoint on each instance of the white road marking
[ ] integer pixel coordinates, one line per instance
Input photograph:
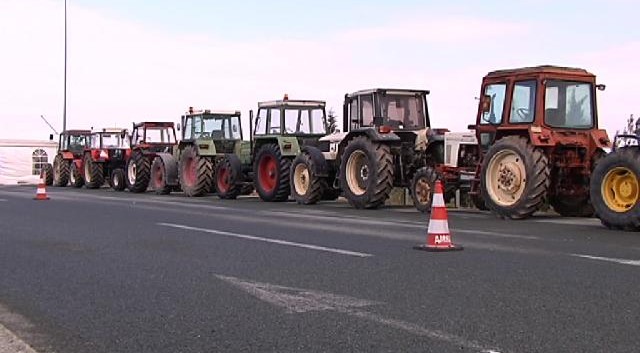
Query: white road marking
(10, 343)
(570, 221)
(298, 300)
(267, 240)
(610, 259)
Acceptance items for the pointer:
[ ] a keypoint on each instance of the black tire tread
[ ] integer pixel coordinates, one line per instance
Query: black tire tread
(538, 180)
(317, 185)
(63, 167)
(204, 173)
(143, 172)
(282, 190)
(233, 165)
(383, 174)
(630, 220)
(96, 171)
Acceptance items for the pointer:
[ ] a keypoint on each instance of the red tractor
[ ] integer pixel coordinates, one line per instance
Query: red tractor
(106, 159)
(537, 129)
(68, 164)
(148, 141)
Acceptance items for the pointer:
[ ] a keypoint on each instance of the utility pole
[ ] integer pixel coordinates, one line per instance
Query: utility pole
(64, 104)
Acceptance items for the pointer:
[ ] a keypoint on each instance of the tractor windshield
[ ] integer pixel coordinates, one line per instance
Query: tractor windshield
(305, 120)
(78, 142)
(113, 140)
(568, 104)
(160, 135)
(403, 111)
(222, 127)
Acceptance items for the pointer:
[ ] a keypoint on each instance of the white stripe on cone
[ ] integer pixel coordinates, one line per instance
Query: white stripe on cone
(438, 200)
(438, 226)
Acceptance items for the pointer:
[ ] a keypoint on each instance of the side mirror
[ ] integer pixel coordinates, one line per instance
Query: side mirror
(601, 87)
(178, 126)
(50, 137)
(485, 103)
(471, 126)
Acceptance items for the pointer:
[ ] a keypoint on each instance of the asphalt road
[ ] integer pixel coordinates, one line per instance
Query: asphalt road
(101, 271)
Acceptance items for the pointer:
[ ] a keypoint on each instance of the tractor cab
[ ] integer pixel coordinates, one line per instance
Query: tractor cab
(75, 142)
(302, 119)
(154, 136)
(213, 131)
(547, 104)
(386, 109)
(114, 138)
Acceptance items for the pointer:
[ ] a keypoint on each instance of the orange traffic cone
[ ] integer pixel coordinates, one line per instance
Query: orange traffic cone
(438, 236)
(41, 192)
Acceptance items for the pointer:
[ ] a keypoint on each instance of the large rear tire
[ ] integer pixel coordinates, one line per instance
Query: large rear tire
(615, 190)
(515, 178)
(196, 173)
(75, 176)
(47, 172)
(159, 177)
(116, 180)
(366, 173)
(138, 172)
(272, 173)
(229, 178)
(307, 187)
(93, 173)
(422, 188)
(61, 169)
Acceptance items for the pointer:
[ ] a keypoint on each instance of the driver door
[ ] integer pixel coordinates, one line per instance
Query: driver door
(490, 113)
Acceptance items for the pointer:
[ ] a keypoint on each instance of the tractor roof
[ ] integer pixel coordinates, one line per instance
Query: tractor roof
(112, 130)
(293, 103)
(215, 112)
(395, 91)
(548, 69)
(154, 124)
(77, 132)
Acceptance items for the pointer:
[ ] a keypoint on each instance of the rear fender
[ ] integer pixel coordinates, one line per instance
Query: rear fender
(170, 167)
(322, 168)
(371, 134)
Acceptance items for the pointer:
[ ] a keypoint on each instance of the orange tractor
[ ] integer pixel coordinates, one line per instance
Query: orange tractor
(148, 141)
(538, 141)
(68, 164)
(110, 149)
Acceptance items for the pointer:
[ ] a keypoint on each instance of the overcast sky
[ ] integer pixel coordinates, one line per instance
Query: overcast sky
(151, 59)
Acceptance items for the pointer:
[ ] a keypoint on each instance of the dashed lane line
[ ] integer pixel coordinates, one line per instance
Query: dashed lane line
(268, 240)
(609, 259)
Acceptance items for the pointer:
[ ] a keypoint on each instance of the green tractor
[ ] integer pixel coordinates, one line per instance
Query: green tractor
(282, 129)
(211, 156)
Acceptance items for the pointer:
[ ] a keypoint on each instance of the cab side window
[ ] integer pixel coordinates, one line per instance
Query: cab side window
(497, 92)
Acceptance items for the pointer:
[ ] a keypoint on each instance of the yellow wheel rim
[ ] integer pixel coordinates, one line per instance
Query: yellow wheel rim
(506, 178)
(620, 189)
(301, 179)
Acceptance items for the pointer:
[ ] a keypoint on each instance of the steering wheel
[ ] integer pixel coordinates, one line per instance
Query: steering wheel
(523, 113)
